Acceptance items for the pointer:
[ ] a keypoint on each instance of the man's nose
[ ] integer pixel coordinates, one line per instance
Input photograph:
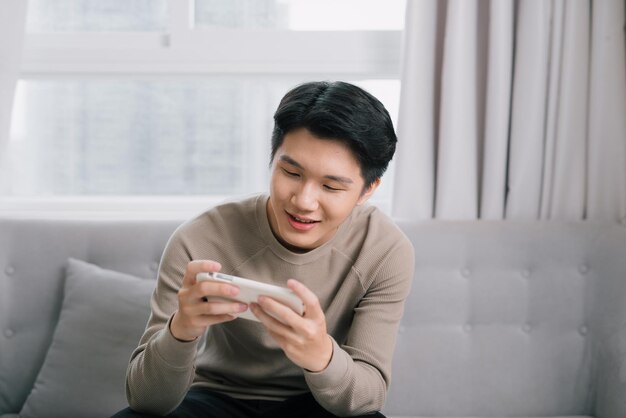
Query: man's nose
(306, 198)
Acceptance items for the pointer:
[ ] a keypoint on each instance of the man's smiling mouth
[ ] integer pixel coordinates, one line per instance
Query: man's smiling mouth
(301, 220)
(304, 221)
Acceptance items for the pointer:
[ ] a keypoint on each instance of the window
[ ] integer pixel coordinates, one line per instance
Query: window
(173, 100)
(315, 15)
(96, 16)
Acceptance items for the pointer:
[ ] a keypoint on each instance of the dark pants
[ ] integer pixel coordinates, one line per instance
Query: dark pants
(206, 404)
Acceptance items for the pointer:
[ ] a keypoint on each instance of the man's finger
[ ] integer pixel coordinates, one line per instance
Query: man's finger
(279, 311)
(212, 307)
(310, 300)
(199, 266)
(270, 322)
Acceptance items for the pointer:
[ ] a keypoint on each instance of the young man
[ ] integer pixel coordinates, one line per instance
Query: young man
(348, 262)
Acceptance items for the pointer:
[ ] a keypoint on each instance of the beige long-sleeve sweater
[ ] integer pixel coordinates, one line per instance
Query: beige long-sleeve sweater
(361, 277)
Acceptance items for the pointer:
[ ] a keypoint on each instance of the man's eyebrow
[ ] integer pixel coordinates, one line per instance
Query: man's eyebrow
(340, 179)
(291, 161)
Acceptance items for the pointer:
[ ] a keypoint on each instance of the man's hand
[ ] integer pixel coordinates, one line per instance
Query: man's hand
(304, 339)
(194, 312)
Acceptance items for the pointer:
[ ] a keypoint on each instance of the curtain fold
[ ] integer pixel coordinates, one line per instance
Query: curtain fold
(565, 196)
(529, 106)
(12, 28)
(606, 197)
(529, 111)
(499, 76)
(414, 190)
(456, 188)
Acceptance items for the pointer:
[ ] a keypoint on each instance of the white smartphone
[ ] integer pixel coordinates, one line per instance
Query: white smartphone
(250, 290)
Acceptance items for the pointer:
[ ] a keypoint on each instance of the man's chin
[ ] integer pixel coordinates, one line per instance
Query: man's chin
(299, 245)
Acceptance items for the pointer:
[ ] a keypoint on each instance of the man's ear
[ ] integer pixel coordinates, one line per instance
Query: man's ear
(368, 192)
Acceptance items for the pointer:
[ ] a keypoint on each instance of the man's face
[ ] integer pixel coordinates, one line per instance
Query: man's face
(314, 187)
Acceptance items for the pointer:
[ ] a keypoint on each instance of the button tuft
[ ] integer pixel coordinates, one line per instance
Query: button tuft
(526, 273)
(10, 271)
(583, 269)
(9, 333)
(154, 266)
(466, 272)
(583, 330)
(526, 328)
(467, 327)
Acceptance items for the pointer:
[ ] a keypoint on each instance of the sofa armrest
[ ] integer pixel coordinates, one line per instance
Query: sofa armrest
(610, 324)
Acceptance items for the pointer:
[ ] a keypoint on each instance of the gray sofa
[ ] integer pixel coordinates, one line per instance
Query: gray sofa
(505, 319)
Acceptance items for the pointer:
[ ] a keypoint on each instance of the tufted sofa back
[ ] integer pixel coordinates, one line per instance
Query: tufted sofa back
(504, 318)
(32, 257)
(513, 319)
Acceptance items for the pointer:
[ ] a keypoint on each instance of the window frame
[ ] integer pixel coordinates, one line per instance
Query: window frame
(182, 51)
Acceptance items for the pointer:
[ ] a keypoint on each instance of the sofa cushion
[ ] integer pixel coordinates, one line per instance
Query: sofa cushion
(102, 318)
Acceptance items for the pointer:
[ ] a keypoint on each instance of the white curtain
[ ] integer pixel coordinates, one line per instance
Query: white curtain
(512, 110)
(12, 24)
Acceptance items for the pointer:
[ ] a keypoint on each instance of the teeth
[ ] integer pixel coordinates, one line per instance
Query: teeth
(303, 220)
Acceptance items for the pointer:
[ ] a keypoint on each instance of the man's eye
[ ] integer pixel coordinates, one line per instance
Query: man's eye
(291, 173)
(332, 189)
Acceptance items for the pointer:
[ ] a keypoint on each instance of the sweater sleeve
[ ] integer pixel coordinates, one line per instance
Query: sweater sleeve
(161, 368)
(358, 376)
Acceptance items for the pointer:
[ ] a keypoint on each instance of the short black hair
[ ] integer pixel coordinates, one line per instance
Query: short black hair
(340, 111)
